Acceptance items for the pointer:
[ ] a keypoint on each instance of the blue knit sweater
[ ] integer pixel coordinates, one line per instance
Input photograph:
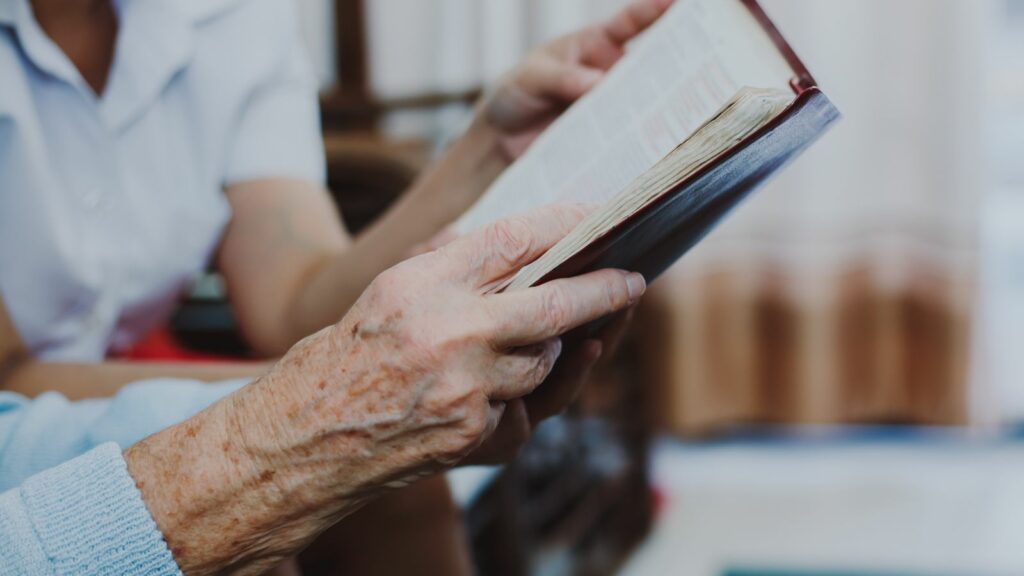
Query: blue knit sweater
(70, 505)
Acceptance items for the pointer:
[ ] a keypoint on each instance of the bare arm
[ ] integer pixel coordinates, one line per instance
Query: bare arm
(299, 270)
(291, 268)
(20, 373)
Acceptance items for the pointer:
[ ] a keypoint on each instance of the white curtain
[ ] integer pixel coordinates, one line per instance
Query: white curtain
(431, 46)
(1000, 368)
(908, 160)
(845, 290)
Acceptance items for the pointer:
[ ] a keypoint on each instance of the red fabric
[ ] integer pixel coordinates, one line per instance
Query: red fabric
(659, 500)
(161, 346)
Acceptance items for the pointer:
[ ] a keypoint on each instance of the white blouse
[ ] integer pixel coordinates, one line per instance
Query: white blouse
(110, 206)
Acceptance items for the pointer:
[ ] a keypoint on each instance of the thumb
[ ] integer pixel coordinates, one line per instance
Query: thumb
(549, 78)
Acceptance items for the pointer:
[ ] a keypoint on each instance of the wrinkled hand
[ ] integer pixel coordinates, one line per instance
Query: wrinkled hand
(420, 372)
(438, 241)
(413, 380)
(559, 391)
(562, 387)
(559, 73)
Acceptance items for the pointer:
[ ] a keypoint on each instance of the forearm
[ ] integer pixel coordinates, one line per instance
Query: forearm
(438, 198)
(227, 503)
(102, 380)
(211, 504)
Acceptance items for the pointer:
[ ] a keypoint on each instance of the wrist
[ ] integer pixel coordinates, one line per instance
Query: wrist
(218, 507)
(483, 136)
(468, 168)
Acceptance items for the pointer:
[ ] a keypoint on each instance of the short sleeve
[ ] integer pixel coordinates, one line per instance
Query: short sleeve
(278, 132)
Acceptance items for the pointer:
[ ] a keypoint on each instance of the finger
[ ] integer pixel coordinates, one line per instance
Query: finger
(634, 19)
(442, 239)
(495, 414)
(547, 311)
(546, 78)
(502, 248)
(564, 387)
(513, 431)
(520, 371)
(598, 50)
(511, 435)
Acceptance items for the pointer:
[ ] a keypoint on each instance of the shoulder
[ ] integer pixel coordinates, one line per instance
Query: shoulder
(259, 16)
(257, 33)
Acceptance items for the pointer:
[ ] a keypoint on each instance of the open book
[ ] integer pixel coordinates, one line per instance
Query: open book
(704, 107)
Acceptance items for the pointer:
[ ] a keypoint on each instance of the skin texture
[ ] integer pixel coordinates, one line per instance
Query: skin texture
(414, 380)
(290, 266)
(292, 269)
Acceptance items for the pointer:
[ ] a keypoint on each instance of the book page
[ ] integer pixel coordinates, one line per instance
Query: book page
(749, 111)
(671, 81)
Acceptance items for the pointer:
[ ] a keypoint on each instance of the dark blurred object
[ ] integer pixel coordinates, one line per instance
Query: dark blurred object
(205, 323)
(578, 500)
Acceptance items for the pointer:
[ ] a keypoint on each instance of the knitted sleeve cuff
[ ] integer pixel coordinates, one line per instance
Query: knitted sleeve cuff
(89, 518)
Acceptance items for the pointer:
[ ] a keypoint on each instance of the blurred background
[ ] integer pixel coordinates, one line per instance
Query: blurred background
(832, 383)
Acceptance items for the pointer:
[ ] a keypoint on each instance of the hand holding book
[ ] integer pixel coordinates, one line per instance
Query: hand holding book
(560, 73)
(706, 106)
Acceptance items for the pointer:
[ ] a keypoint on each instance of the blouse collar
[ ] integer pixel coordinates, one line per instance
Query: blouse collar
(156, 40)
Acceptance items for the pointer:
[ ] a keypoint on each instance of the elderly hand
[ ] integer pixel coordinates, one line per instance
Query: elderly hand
(558, 74)
(413, 380)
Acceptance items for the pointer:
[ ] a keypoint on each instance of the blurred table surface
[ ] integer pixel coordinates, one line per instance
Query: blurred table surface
(932, 504)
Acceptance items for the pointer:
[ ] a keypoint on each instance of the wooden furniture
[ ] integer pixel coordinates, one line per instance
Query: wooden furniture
(350, 105)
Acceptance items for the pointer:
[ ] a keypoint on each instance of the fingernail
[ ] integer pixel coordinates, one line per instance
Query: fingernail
(636, 285)
(556, 347)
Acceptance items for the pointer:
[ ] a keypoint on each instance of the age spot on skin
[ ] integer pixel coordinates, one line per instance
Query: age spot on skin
(374, 329)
